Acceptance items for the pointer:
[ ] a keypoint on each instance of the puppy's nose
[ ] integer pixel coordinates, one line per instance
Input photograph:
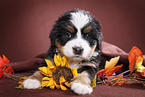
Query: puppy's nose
(77, 50)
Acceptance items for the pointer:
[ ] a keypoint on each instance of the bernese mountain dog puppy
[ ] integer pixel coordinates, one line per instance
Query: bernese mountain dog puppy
(77, 36)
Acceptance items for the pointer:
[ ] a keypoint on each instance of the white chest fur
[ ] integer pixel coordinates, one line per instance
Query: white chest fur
(74, 65)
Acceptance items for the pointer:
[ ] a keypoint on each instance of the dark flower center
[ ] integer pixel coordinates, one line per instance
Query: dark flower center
(62, 71)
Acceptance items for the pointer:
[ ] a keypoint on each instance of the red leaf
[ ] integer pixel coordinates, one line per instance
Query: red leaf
(142, 74)
(6, 71)
(4, 66)
(1, 73)
(1, 62)
(10, 70)
(101, 71)
(132, 57)
(5, 59)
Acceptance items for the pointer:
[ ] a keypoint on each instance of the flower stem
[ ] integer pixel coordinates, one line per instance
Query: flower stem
(14, 77)
(114, 76)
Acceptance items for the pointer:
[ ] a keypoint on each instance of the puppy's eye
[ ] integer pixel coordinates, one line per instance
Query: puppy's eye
(69, 35)
(88, 36)
(94, 41)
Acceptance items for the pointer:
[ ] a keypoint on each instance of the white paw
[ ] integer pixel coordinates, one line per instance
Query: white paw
(81, 89)
(31, 84)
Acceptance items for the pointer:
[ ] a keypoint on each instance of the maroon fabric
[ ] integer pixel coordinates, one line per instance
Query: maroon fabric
(26, 24)
(7, 86)
(7, 89)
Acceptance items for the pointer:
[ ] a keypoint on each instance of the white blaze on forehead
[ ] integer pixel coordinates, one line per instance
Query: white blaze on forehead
(80, 19)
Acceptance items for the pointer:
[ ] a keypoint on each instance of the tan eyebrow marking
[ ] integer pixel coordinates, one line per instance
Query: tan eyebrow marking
(70, 29)
(87, 29)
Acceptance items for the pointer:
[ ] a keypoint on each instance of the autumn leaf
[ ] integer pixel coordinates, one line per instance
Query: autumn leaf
(6, 61)
(1, 73)
(110, 64)
(94, 81)
(133, 56)
(4, 66)
(1, 62)
(110, 67)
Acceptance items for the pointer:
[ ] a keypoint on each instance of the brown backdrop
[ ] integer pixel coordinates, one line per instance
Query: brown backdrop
(25, 24)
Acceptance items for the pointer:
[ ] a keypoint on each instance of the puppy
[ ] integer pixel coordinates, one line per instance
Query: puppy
(77, 36)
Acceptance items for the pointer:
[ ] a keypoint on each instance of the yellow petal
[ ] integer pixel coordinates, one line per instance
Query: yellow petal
(57, 60)
(94, 81)
(45, 82)
(52, 87)
(51, 82)
(63, 88)
(143, 69)
(110, 64)
(43, 70)
(139, 66)
(67, 84)
(63, 61)
(45, 79)
(57, 86)
(20, 86)
(49, 64)
(139, 61)
(74, 71)
(67, 65)
(62, 80)
(49, 73)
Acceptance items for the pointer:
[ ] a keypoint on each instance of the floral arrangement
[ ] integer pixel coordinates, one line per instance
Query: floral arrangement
(5, 68)
(59, 75)
(136, 69)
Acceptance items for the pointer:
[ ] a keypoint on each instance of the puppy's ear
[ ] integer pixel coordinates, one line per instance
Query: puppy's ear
(99, 41)
(53, 36)
(97, 26)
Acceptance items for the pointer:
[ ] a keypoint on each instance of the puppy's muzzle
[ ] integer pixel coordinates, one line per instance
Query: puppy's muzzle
(77, 50)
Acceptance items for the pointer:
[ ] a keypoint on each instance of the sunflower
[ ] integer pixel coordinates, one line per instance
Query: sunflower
(58, 75)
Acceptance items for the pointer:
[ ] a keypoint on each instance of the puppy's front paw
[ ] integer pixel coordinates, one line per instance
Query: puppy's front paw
(81, 89)
(31, 84)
